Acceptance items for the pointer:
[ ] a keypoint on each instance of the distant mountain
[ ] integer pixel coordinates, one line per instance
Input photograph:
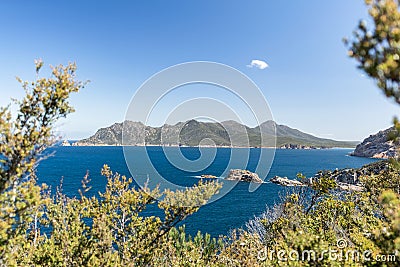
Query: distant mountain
(194, 133)
(286, 135)
(377, 146)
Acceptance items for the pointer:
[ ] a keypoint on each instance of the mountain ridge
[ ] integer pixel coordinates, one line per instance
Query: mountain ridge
(195, 133)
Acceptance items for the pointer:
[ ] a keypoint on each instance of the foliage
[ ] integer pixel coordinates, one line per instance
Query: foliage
(377, 49)
(111, 230)
(295, 226)
(22, 139)
(37, 229)
(182, 250)
(365, 221)
(375, 184)
(378, 52)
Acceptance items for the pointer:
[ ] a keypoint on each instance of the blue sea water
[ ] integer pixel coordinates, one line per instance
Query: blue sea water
(231, 211)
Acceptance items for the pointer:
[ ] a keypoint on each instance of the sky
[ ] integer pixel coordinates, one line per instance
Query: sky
(292, 50)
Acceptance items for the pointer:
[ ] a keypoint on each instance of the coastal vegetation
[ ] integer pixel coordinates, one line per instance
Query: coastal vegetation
(43, 229)
(317, 225)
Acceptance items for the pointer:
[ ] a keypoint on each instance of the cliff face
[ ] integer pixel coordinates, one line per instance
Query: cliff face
(376, 146)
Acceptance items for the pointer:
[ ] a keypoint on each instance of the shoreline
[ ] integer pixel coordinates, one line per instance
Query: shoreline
(184, 146)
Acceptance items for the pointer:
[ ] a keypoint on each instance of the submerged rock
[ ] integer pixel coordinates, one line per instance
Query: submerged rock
(243, 175)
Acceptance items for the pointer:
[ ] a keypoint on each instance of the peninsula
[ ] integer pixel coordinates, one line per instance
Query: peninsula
(197, 133)
(377, 145)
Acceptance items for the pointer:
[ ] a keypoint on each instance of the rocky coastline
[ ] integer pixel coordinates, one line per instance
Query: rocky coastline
(284, 181)
(346, 179)
(297, 146)
(377, 145)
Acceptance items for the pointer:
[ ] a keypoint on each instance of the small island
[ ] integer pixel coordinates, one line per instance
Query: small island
(243, 175)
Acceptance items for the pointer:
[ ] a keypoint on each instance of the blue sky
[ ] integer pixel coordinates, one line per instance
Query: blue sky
(310, 83)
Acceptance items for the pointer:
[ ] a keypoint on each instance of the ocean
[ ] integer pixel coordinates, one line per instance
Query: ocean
(233, 210)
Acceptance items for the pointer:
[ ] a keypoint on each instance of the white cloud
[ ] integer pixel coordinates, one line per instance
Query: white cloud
(259, 64)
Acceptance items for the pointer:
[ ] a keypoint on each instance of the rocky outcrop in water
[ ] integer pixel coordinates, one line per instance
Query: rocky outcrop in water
(286, 181)
(243, 175)
(376, 146)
